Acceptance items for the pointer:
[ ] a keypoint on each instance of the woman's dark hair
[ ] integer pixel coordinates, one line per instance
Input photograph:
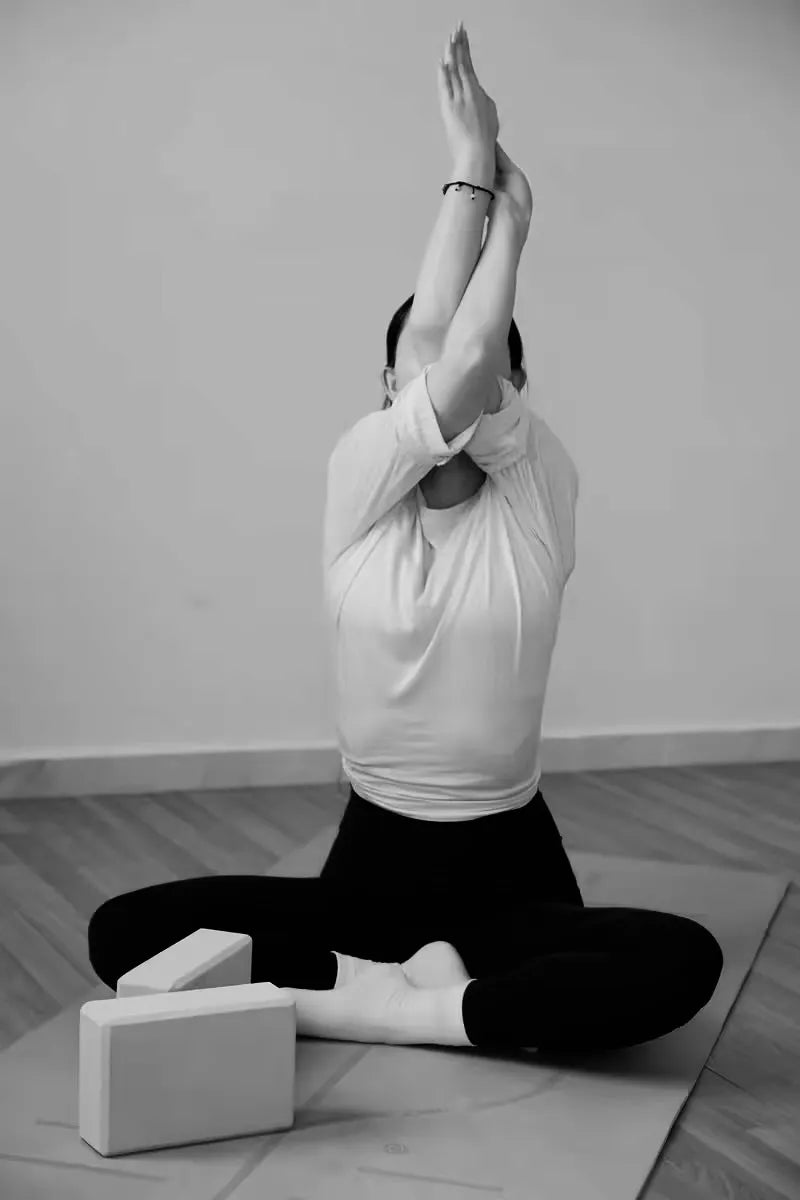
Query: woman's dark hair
(397, 324)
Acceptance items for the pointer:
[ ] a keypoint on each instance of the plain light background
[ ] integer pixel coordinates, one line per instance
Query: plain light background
(209, 213)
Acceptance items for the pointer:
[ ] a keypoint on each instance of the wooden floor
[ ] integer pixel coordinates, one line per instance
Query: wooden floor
(739, 1135)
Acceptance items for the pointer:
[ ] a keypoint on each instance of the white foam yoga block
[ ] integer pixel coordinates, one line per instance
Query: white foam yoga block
(172, 1068)
(206, 958)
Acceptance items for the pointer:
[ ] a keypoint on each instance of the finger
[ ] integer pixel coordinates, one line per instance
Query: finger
(457, 41)
(468, 64)
(452, 66)
(462, 61)
(444, 79)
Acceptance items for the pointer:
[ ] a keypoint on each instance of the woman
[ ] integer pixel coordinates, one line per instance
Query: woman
(447, 912)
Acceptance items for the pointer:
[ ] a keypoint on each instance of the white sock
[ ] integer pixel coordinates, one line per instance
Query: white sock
(382, 1006)
(349, 968)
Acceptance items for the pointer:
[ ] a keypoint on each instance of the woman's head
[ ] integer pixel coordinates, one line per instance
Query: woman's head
(516, 369)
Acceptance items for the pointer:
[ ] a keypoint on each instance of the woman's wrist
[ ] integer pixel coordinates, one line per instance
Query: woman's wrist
(475, 166)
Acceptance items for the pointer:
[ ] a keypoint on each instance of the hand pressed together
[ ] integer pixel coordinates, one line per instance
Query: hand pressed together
(469, 114)
(472, 127)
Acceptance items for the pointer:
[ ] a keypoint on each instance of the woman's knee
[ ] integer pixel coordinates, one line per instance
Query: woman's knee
(103, 925)
(113, 933)
(689, 953)
(705, 954)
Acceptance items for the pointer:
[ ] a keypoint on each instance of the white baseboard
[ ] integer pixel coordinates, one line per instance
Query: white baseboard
(283, 766)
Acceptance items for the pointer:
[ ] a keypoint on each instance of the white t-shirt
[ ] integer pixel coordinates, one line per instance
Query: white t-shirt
(443, 621)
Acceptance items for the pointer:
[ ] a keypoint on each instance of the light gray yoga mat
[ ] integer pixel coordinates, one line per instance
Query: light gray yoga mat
(408, 1122)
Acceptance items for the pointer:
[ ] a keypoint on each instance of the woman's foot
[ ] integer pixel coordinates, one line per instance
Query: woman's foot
(381, 1005)
(437, 964)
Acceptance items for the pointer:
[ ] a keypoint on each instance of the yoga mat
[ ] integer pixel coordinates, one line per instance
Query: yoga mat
(408, 1122)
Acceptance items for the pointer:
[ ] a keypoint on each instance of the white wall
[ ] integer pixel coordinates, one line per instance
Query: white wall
(208, 214)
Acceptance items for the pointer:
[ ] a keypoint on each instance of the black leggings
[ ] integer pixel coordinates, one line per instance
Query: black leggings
(547, 972)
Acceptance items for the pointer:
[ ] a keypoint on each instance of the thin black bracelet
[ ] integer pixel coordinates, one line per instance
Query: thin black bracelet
(457, 184)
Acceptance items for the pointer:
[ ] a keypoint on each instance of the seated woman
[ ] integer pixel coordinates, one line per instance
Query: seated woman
(447, 911)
